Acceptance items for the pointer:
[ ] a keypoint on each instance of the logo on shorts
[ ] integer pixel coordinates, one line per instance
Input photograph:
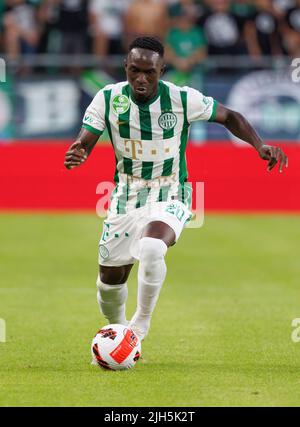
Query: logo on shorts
(167, 121)
(103, 252)
(120, 104)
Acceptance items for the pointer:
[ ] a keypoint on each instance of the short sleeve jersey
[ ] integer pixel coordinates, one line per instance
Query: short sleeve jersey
(149, 139)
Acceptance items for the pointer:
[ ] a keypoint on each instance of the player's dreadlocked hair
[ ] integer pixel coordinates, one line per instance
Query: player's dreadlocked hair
(150, 43)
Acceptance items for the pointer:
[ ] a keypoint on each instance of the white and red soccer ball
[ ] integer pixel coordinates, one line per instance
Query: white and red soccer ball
(116, 347)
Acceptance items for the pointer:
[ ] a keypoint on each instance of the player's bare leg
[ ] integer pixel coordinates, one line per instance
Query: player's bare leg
(153, 245)
(112, 292)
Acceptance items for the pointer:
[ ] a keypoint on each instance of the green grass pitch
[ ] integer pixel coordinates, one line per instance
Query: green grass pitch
(221, 332)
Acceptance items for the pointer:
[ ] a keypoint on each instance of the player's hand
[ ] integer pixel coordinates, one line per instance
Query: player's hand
(273, 155)
(75, 156)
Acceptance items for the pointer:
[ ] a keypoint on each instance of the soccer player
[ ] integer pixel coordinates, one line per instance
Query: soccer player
(148, 123)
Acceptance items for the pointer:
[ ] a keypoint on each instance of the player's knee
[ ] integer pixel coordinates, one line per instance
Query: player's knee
(152, 249)
(151, 254)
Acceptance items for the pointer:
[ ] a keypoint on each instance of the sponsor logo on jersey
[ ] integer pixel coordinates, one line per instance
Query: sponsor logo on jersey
(206, 100)
(88, 119)
(167, 121)
(120, 104)
(122, 122)
(136, 147)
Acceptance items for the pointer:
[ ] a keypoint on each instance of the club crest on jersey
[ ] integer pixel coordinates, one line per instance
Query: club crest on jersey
(167, 121)
(120, 104)
(103, 252)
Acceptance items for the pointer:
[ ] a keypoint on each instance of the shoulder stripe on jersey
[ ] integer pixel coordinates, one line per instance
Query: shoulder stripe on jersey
(124, 128)
(166, 107)
(183, 139)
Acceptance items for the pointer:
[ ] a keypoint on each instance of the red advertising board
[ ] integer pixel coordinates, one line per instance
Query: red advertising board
(33, 177)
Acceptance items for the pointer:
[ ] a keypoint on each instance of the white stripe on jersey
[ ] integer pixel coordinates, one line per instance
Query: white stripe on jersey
(158, 156)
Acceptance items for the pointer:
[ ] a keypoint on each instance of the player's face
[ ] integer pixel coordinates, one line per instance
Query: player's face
(144, 69)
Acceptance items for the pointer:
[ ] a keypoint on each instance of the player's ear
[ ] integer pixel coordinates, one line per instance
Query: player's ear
(125, 63)
(163, 69)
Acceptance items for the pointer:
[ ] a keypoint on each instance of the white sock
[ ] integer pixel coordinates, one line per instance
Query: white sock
(151, 275)
(112, 301)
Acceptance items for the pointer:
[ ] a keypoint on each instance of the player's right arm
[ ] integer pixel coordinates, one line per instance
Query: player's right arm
(79, 151)
(92, 128)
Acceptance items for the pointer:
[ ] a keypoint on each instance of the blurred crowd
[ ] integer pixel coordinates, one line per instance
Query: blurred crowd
(191, 30)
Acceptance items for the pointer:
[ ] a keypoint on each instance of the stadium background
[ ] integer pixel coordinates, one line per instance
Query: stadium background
(57, 55)
(44, 97)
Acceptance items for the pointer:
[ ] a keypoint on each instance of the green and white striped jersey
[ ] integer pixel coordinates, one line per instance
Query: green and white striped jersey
(149, 140)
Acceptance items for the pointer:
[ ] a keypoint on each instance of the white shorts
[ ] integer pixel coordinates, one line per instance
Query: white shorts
(119, 244)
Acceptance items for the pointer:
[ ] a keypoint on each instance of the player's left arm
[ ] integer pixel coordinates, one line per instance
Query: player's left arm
(239, 126)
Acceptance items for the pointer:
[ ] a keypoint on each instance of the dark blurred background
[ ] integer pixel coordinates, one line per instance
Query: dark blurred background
(60, 52)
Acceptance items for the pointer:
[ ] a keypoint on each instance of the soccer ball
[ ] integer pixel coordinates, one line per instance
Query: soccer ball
(116, 347)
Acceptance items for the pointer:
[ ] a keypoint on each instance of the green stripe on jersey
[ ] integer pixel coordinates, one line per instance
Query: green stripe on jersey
(163, 194)
(142, 196)
(147, 168)
(124, 128)
(127, 165)
(107, 96)
(183, 140)
(167, 167)
(166, 107)
(145, 122)
(122, 201)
